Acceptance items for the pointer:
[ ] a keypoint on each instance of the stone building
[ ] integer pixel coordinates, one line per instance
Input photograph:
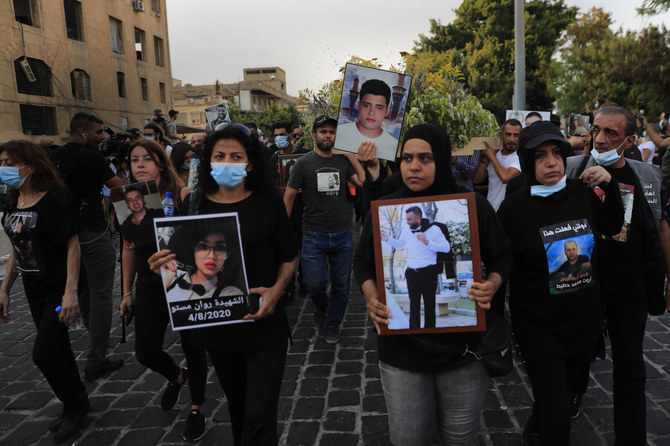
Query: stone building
(260, 87)
(108, 57)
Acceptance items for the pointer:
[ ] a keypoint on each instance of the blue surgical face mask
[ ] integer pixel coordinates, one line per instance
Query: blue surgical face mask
(9, 175)
(186, 166)
(150, 138)
(540, 190)
(281, 141)
(607, 158)
(229, 175)
(563, 133)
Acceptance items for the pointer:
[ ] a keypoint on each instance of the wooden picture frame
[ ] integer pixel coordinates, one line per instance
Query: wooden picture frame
(402, 276)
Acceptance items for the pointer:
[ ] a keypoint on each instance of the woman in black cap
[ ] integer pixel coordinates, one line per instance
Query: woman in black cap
(429, 377)
(554, 296)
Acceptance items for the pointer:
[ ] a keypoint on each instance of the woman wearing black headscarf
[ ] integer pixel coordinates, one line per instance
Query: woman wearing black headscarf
(430, 377)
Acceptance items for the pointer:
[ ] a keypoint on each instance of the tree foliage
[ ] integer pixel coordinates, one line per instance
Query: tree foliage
(266, 118)
(480, 43)
(595, 62)
(653, 7)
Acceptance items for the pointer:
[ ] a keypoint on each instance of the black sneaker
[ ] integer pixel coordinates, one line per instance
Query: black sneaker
(575, 404)
(195, 426)
(333, 335)
(171, 392)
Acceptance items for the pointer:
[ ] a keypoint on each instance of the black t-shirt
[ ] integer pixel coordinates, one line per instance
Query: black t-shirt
(324, 187)
(267, 242)
(85, 171)
(555, 313)
(39, 236)
(144, 239)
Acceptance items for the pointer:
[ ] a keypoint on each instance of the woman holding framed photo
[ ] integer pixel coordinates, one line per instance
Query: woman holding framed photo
(431, 377)
(235, 176)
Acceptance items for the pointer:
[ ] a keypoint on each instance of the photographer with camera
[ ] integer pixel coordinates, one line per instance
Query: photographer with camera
(84, 170)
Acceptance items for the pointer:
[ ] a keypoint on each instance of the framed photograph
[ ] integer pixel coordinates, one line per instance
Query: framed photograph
(136, 205)
(372, 108)
(206, 284)
(578, 125)
(286, 163)
(427, 257)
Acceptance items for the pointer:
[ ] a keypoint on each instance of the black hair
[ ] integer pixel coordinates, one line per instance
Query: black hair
(618, 110)
(513, 122)
(534, 114)
(261, 176)
(378, 88)
(282, 125)
(178, 154)
(133, 188)
(251, 126)
(83, 121)
(416, 210)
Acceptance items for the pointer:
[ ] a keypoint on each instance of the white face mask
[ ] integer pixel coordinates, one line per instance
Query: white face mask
(607, 158)
(541, 190)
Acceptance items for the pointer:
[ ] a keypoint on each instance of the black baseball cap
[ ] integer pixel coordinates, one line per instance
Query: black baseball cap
(538, 133)
(321, 120)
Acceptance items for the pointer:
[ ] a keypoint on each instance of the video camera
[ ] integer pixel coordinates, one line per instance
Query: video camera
(116, 146)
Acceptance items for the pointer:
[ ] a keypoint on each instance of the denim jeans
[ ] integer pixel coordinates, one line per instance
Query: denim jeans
(415, 400)
(321, 252)
(96, 281)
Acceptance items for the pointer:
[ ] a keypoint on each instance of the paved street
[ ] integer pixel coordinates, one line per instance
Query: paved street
(331, 395)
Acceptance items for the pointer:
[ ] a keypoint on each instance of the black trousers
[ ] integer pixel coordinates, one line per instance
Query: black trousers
(553, 381)
(251, 382)
(625, 324)
(52, 354)
(151, 321)
(421, 282)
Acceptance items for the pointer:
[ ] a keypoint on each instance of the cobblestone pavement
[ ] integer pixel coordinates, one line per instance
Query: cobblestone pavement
(331, 394)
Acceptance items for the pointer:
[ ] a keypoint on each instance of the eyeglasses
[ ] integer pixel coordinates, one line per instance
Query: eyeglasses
(298, 135)
(202, 249)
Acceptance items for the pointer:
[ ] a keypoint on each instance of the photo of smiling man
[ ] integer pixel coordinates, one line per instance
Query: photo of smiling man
(375, 113)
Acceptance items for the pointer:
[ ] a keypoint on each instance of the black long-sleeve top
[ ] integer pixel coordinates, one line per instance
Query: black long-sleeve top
(567, 322)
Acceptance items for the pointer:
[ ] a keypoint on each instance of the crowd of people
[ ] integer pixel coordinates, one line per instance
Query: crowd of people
(563, 292)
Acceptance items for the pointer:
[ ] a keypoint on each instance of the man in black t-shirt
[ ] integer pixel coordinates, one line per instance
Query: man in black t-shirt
(638, 252)
(328, 214)
(85, 170)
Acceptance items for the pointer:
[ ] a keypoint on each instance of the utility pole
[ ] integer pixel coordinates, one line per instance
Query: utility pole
(519, 99)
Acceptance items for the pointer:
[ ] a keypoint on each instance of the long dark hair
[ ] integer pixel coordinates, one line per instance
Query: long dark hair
(170, 181)
(259, 179)
(43, 177)
(178, 154)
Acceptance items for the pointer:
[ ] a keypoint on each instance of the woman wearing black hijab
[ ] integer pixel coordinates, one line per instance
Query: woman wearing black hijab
(430, 377)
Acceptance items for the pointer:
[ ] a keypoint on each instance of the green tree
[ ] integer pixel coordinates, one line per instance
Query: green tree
(480, 43)
(626, 68)
(653, 7)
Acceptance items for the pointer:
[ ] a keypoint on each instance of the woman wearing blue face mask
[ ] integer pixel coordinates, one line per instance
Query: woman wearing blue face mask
(235, 176)
(41, 222)
(181, 156)
(554, 294)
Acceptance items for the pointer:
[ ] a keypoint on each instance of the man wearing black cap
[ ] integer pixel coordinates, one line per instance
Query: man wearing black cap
(172, 126)
(327, 218)
(637, 249)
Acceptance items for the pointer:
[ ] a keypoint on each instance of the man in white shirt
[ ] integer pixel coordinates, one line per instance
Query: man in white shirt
(423, 242)
(501, 166)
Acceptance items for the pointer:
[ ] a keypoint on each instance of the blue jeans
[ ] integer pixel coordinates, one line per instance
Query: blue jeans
(321, 252)
(415, 400)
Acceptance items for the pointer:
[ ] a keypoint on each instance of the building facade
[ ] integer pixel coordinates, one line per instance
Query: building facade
(260, 88)
(107, 57)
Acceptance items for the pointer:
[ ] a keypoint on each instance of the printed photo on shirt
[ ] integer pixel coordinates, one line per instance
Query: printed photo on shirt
(427, 257)
(136, 205)
(569, 247)
(206, 284)
(627, 199)
(372, 108)
(328, 181)
(18, 227)
(286, 163)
